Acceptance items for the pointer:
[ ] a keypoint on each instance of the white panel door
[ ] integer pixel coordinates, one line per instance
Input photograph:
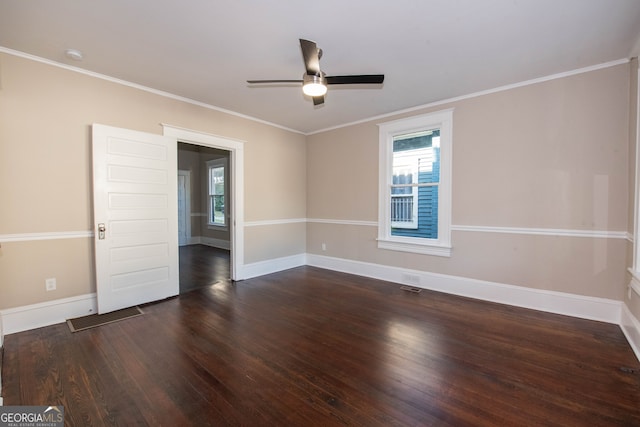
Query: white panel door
(135, 217)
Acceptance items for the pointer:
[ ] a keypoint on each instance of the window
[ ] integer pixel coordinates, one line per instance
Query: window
(415, 184)
(217, 195)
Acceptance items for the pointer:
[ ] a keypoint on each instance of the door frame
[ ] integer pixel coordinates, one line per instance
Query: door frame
(236, 163)
(187, 197)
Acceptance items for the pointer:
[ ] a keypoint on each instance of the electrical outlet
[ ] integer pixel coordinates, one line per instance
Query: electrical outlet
(50, 284)
(324, 246)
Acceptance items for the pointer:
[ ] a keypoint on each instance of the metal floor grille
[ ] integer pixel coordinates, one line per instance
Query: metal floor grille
(94, 320)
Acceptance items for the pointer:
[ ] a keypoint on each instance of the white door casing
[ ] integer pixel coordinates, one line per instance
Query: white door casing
(182, 223)
(236, 149)
(184, 207)
(135, 199)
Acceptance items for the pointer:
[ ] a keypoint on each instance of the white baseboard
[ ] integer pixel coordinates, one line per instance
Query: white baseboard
(601, 309)
(47, 313)
(216, 243)
(631, 328)
(261, 268)
(605, 310)
(209, 241)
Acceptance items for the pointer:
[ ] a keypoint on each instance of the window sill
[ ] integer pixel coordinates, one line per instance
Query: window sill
(417, 248)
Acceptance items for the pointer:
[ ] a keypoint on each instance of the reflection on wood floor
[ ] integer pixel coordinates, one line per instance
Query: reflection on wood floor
(202, 266)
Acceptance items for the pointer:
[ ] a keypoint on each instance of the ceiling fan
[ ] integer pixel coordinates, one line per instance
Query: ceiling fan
(314, 81)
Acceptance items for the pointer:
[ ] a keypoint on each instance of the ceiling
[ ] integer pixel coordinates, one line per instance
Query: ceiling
(429, 50)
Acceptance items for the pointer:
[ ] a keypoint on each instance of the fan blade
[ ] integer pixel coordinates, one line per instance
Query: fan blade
(311, 57)
(355, 80)
(253, 82)
(318, 100)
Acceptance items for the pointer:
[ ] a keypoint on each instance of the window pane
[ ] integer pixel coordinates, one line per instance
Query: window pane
(414, 188)
(217, 211)
(217, 199)
(413, 141)
(399, 178)
(402, 211)
(216, 185)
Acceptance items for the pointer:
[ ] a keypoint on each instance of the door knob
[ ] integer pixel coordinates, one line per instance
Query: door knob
(101, 231)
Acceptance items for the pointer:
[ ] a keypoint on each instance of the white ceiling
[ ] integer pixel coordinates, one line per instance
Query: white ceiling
(429, 50)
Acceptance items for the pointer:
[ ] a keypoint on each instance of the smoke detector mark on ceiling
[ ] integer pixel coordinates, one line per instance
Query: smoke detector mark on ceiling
(74, 54)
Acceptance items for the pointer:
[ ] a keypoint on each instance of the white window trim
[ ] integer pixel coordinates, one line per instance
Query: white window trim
(213, 164)
(387, 131)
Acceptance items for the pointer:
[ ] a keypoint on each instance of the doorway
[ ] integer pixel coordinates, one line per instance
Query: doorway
(204, 215)
(235, 148)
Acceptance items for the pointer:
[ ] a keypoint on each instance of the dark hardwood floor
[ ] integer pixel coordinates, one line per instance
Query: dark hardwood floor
(307, 347)
(202, 266)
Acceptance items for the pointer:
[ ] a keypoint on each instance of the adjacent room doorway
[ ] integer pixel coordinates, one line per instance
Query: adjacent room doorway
(204, 219)
(234, 204)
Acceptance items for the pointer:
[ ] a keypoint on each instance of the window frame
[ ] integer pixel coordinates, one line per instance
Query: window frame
(214, 164)
(442, 120)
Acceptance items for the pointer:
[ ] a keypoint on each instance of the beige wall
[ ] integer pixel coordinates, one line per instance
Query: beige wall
(24, 266)
(551, 155)
(279, 241)
(45, 170)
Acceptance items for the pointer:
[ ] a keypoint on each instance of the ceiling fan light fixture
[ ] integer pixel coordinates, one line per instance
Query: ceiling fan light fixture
(315, 82)
(314, 85)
